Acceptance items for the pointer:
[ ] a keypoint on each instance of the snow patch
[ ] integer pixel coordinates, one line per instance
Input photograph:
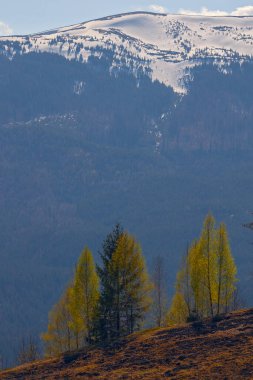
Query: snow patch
(79, 87)
(165, 46)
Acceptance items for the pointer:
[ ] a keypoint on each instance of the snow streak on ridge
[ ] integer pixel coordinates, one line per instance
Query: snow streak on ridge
(162, 45)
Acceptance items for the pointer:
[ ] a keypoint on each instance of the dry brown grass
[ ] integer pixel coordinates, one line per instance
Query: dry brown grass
(222, 350)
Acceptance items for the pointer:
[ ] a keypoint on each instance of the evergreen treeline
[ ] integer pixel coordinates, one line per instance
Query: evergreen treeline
(106, 302)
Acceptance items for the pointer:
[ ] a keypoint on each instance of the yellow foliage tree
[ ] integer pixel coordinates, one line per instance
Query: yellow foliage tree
(178, 313)
(206, 283)
(207, 257)
(198, 280)
(131, 286)
(179, 310)
(84, 298)
(59, 336)
(71, 320)
(226, 272)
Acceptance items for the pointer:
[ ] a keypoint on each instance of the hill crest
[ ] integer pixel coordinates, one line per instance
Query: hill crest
(205, 350)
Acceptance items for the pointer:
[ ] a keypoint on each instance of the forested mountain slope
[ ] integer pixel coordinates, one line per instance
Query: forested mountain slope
(83, 146)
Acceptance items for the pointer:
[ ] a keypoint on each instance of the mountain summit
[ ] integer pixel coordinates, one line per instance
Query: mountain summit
(162, 45)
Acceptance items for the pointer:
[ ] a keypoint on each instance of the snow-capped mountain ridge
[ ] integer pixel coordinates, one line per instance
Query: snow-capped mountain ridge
(162, 45)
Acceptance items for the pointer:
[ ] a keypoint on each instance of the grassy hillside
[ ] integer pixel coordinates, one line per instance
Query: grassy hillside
(211, 350)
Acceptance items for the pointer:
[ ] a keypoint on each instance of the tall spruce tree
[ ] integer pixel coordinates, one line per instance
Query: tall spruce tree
(104, 323)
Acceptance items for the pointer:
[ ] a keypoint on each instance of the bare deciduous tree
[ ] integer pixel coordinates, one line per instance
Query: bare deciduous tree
(28, 351)
(160, 298)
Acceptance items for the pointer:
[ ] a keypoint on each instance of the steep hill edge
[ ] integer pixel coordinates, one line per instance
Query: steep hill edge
(212, 350)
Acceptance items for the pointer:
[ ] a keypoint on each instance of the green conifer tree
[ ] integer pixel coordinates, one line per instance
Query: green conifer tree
(104, 323)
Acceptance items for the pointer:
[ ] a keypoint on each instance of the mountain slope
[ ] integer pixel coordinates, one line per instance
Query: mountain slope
(81, 149)
(162, 45)
(212, 350)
